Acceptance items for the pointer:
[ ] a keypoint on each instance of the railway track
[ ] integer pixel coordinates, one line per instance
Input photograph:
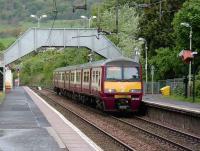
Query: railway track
(156, 136)
(152, 131)
(121, 144)
(191, 137)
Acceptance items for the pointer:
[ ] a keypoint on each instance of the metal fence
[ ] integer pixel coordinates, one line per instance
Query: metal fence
(154, 87)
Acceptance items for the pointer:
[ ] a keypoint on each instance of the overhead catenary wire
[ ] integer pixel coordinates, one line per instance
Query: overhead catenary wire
(55, 13)
(81, 33)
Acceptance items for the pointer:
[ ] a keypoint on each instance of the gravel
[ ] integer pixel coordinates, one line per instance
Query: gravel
(131, 136)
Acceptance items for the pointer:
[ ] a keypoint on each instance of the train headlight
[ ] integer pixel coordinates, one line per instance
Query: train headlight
(110, 90)
(135, 91)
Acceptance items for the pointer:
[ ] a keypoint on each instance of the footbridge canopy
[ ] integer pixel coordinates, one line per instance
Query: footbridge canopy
(35, 38)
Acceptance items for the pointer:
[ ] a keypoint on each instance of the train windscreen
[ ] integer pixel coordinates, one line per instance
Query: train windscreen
(122, 73)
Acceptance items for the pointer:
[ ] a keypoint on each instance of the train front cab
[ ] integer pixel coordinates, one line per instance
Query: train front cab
(122, 86)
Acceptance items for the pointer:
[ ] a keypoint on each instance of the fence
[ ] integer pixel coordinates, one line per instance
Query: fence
(154, 88)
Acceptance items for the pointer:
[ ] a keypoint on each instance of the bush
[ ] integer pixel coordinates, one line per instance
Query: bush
(179, 91)
(198, 89)
(198, 85)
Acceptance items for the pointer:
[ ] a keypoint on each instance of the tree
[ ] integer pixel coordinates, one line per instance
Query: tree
(167, 64)
(128, 27)
(155, 26)
(188, 13)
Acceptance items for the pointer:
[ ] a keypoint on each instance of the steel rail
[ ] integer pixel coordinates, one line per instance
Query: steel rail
(155, 135)
(116, 140)
(179, 146)
(196, 138)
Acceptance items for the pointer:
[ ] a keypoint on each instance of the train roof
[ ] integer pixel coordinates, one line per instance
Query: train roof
(93, 64)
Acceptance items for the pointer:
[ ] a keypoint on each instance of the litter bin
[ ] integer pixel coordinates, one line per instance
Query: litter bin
(165, 91)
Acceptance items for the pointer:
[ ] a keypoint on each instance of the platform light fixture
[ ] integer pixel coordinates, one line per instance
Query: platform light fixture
(38, 18)
(89, 19)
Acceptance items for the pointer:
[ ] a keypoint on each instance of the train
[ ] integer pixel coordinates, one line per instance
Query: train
(111, 85)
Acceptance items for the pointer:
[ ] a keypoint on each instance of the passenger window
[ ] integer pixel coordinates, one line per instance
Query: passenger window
(78, 76)
(72, 77)
(93, 77)
(97, 76)
(86, 76)
(67, 77)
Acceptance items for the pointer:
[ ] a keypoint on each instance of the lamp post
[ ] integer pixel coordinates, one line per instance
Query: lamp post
(89, 19)
(190, 64)
(38, 18)
(136, 55)
(145, 42)
(194, 72)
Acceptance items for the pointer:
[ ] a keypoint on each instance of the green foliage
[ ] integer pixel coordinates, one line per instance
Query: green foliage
(156, 26)
(179, 91)
(128, 27)
(165, 40)
(189, 13)
(13, 11)
(198, 85)
(2, 47)
(167, 63)
(6, 42)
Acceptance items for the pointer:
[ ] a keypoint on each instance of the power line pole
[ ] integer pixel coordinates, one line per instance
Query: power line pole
(117, 16)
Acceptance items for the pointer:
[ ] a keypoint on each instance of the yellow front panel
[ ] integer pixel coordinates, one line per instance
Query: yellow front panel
(123, 86)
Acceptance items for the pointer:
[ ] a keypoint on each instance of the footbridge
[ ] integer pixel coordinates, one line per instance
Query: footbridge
(35, 38)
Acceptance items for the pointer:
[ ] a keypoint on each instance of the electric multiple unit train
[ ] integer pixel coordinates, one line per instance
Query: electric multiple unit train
(111, 84)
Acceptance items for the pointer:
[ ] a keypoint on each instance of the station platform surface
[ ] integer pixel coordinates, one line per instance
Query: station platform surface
(28, 123)
(22, 125)
(159, 100)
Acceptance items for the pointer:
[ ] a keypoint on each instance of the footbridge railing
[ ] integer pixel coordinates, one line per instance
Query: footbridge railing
(35, 38)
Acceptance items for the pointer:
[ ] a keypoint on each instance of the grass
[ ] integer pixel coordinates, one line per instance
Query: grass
(7, 41)
(14, 30)
(181, 98)
(78, 23)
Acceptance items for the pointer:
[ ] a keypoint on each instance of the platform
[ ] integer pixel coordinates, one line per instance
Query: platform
(159, 100)
(28, 123)
(22, 125)
(71, 136)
